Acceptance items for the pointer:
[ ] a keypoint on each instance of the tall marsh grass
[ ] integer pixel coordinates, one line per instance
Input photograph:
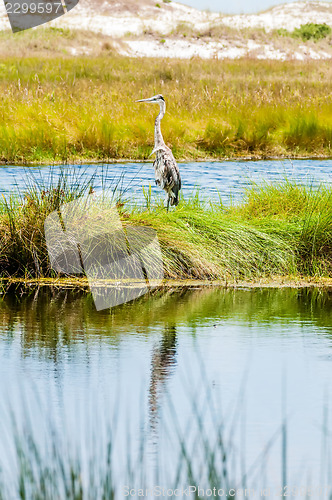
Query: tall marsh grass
(281, 229)
(61, 109)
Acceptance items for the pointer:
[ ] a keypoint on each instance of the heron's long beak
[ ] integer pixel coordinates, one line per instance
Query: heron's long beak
(151, 99)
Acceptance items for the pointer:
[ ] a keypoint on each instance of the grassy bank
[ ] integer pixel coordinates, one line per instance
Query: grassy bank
(71, 109)
(281, 230)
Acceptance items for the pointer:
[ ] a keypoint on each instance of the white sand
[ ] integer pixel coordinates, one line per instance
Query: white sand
(220, 50)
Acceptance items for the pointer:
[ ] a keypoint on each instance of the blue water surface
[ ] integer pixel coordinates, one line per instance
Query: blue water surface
(227, 180)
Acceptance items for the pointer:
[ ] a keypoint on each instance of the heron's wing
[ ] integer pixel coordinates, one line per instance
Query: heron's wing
(166, 170)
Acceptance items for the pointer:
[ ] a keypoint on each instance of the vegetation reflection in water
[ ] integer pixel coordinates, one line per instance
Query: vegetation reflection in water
(43, 325)
(50, 318)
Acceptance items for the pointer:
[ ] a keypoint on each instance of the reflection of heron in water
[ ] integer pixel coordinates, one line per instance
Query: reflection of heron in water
(162, 363)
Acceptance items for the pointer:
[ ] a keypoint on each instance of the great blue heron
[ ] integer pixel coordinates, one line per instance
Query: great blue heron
(166, 169)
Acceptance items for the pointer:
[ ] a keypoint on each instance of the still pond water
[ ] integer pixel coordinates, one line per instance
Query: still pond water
(245, 358)
(175, 364)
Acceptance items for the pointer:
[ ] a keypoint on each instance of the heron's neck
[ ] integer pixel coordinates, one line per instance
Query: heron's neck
(158, 138)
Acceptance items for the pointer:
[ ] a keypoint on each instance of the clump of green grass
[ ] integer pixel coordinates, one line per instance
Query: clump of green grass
(305, 213)
(309, 31)
(284, 229)
(23, 249)
(312, 31)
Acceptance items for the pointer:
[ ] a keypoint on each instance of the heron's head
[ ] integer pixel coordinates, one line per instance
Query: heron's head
(155, 99)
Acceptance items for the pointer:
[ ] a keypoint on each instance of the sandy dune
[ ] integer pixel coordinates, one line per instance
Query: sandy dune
(145, 29)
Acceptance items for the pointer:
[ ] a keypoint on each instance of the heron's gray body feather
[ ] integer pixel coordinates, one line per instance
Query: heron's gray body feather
(167, 174)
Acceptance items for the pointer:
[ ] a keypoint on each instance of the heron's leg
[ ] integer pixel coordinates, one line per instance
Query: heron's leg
(167, 203)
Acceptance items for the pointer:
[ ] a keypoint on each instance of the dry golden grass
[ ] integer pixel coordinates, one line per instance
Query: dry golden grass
(83, 108)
